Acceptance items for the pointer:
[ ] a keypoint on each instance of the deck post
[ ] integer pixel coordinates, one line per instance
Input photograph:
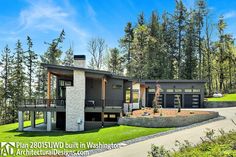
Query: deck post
(20, 120)
(32, 119)
(45, 117)
(49, 89)
(103, 99)
(54, 116)
(49, 121)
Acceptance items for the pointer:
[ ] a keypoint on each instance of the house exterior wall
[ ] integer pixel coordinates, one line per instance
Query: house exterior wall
(75, 97)
(114, 92)
(93, 89)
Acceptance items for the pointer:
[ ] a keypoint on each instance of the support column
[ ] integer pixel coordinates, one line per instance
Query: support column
(20, 120)
(49, 121)
(103, 99)
(164, 105)
(49, 89)
(182, 105)
(54, 117)
(32, 119)
(45, 117)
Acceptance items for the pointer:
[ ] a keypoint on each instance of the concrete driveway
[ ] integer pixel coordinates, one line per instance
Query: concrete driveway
(193, 135)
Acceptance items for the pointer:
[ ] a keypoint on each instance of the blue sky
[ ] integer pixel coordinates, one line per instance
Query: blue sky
(82, 20)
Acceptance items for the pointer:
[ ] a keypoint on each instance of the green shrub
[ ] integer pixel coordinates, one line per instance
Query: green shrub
(157, 151)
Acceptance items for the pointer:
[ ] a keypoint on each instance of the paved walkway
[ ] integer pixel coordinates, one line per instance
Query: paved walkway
(193, 135)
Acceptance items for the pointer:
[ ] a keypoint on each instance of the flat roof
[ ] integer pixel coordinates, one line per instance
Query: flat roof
(63, 67)
(103, 72)
(173, 81)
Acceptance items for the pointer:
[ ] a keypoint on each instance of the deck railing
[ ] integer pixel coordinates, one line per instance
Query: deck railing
(43, 103)
(103, 103)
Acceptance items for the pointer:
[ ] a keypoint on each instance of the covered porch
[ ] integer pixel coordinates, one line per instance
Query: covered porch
(53, 107)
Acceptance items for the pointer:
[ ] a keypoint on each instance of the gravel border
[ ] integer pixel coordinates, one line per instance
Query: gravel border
(143, 138)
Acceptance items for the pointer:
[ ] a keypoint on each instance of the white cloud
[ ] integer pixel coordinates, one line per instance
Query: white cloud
(230, 14)
(44, 15)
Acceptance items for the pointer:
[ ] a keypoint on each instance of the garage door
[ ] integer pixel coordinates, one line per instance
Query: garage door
(172, 100)
(151, 97)
(191, 100)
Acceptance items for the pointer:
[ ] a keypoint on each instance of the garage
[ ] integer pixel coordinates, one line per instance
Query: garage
(173, 99)
(151, 97)
(191, 100)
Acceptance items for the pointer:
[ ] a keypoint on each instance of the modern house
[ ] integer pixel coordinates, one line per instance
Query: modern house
(87, 99)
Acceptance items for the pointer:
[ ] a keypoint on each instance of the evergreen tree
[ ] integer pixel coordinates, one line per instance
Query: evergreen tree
(18, 80)
(69, 58)
(190, 58)
(208, 51)
(154, 55)
(180, 18)
(199, 15)
(126, 44)
(41, 80)
(31, 63)
(115, 61)
(169, 35)
(6, 75)
(140, 42)
(221, 53)
(54, 51)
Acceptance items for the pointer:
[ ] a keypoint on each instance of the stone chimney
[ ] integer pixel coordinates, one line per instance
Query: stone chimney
(79, 61)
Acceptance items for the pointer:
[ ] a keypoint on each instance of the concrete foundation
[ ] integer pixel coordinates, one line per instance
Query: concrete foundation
(32, 119)
(20, 120)
(49, 121)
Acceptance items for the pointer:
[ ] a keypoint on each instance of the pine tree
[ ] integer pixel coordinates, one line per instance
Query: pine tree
(199, 15)
(115, 61)
(18, 78)
(126, 44)
(169, 36)
(31, 63)
(180, 18)
(6, 75)
(154, 54)
(208, 51)
(221, 54)
(140, 42)
(190, 57)
(54, 51)
(69, 57)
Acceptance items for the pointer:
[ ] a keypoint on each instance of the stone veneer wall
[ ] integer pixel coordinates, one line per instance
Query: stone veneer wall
(219, 104)
(75, 97)
(162, 122)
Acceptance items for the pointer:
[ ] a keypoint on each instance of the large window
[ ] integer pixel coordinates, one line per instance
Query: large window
(196, 90)
(127, 95)
(169, 90)
(135, 95)
(111, 117)
(188, 90)
(93, 116)
(178, 90)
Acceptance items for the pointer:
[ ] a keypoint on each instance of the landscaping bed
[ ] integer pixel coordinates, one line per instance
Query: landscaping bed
(167, 113)
(166, 118)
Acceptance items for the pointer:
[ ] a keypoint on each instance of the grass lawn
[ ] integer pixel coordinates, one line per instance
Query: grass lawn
(226, 97)
(9, 133)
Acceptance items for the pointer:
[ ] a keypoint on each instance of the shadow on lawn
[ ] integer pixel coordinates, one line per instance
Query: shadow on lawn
(52, 133)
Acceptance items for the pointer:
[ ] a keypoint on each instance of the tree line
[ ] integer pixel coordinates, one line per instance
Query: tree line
(179, 45)
(23, 77)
